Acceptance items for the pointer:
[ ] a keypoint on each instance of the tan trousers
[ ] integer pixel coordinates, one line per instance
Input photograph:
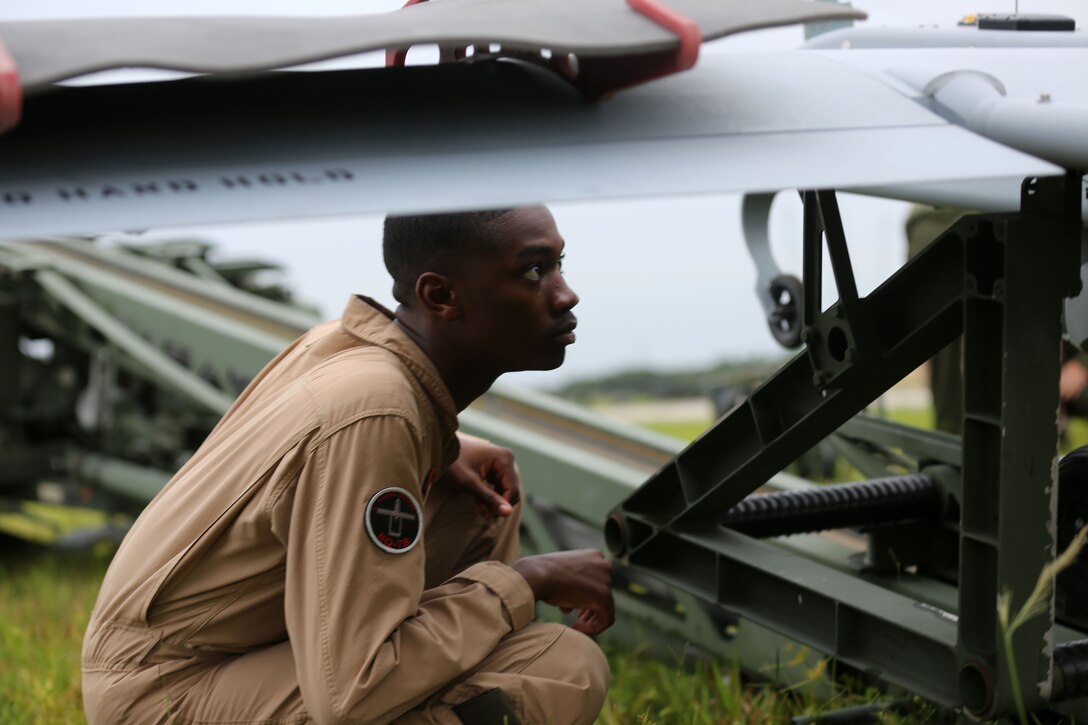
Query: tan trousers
(551, 674)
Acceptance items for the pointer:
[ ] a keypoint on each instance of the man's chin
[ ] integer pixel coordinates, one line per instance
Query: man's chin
(549, 361)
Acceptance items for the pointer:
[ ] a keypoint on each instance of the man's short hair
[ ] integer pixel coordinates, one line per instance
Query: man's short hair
(416, 243)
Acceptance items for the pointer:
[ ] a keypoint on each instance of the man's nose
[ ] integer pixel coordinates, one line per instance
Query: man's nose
(564, 298)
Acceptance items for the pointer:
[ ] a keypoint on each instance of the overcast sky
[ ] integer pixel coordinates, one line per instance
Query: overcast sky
(664, 283)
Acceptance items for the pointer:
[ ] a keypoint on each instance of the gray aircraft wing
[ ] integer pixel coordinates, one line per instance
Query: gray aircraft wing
(451, 136)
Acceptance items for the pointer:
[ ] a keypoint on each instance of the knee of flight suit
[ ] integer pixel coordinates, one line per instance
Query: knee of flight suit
(578, 661)
(595, 664)
(548, 673)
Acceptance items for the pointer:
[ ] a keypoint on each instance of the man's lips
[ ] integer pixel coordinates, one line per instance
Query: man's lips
(565, 332)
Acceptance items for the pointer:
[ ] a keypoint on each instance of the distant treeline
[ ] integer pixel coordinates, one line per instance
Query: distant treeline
(739, 375)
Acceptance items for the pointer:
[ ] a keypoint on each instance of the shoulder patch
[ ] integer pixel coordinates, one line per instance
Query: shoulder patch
(393, 520)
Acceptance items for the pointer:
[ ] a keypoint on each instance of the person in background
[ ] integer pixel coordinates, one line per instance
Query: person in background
(925, 224)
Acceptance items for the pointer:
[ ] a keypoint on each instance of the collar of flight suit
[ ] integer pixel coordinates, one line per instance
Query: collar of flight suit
(373, 323)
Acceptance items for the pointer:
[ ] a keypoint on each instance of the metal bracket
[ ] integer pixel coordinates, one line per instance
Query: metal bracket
(779, 294)
(848, 334)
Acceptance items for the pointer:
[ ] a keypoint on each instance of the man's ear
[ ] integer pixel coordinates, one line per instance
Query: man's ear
(437, 295)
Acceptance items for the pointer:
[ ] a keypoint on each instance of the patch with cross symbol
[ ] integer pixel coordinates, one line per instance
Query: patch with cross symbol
(393, 520)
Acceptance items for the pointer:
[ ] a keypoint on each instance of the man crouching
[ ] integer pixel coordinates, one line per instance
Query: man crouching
(335, 551)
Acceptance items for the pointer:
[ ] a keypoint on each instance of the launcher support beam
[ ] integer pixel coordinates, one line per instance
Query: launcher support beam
(1001, 280)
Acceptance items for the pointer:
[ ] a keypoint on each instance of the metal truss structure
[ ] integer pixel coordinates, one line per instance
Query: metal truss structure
(986, 525)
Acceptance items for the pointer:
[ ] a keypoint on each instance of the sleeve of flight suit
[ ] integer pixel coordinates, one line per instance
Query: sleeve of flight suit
(368, 643)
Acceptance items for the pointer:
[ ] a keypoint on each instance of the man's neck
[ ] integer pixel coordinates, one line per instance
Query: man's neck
(465, 382)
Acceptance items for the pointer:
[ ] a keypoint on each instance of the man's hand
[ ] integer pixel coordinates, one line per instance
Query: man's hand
(487, 472)
(573, 580)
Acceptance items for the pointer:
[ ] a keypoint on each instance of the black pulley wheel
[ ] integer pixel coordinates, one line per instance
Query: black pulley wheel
(785, 319)
(1072, 515)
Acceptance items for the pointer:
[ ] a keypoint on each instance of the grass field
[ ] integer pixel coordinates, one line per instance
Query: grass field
(689, 430)
(46, 598)
(45, 601)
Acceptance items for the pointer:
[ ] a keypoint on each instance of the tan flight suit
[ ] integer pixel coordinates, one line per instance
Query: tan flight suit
(256, 586)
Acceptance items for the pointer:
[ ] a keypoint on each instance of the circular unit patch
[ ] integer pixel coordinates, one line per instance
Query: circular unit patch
(393, 520)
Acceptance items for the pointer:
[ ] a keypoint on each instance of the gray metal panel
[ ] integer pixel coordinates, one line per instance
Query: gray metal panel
(51, 50)
(463, 136)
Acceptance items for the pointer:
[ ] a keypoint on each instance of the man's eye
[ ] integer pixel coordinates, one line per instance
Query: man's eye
(534, 273)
